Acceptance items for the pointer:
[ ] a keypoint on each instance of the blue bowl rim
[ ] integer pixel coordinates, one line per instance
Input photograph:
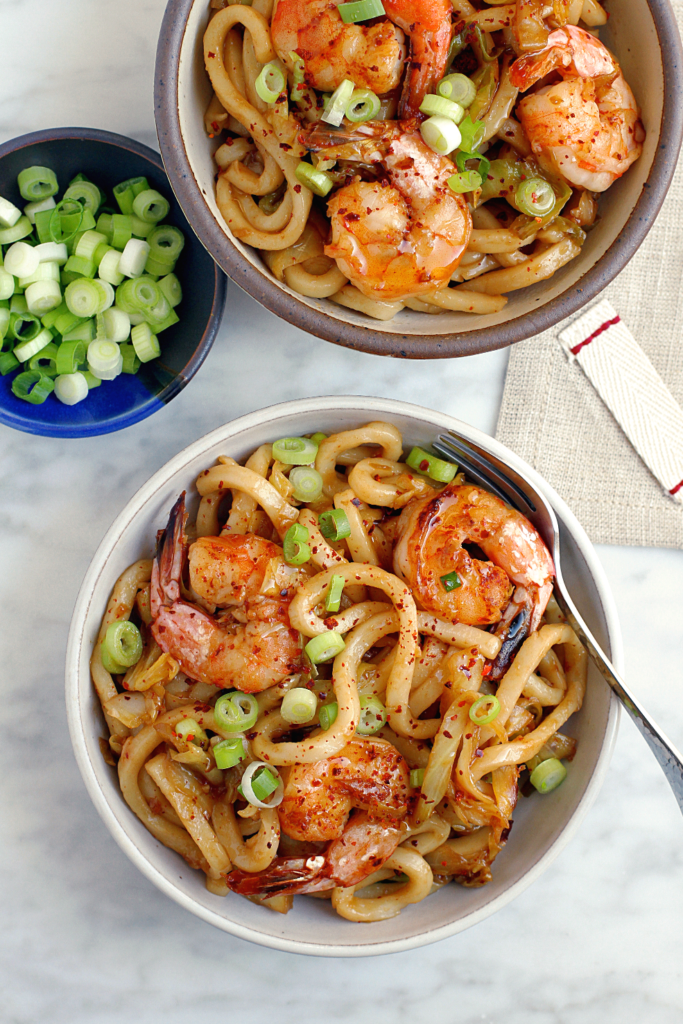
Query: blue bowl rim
(371, 338)
(174, 387)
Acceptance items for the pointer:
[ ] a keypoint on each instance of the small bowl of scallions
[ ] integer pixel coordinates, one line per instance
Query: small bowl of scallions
(108, 302)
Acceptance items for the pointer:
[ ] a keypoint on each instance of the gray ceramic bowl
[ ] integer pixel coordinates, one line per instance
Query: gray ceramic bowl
(644, 36)
(543, 825)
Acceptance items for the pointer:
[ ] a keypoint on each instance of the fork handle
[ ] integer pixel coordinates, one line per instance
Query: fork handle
(668, 757)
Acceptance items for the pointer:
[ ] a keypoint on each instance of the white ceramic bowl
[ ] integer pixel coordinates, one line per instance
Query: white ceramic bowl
(643, 35)
(543, 825)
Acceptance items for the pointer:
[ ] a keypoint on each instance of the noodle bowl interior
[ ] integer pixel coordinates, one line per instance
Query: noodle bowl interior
(379, 220)
(338, 679)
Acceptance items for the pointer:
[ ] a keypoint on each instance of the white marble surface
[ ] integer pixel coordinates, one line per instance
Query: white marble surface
(85, 938)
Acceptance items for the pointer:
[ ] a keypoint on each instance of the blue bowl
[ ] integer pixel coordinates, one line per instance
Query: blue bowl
(109, 159)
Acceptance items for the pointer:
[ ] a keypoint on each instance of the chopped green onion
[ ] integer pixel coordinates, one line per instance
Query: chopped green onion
(85, 192)
(336, 106)
(440, 134)
(145, 343)
(45, 360)
(160, 325)
(437, 469)
(126, 191)
(123, 642)
(307, 483)
(71, 388)
(82, 297)
(271, 82)
(105, 225)
(36, 183)
(442, 107)
(150, 206)
(166, 243)
(299, 706)
(63, 223)
(261, 785)
(42, 296)
(363, 106)
(52, 252)
(109, 268)
(78, 266)
(417, 778)
(24, 326)
(7, 285)
(318, 438)
(27, 349)
(334, 525)
(106, 295)
(191, 731)
(324, 647)
(236, 711)
(465, 181)
(70, 355)
(131, 363)
(83, 331)
(317, 181)
(360, 10)
(490, 701)
(373, 715)
(8, 363)
(21, 260)
(548, 775)
(535, 197)
(294, 547)
(295, 451)
(121, 231)
(458, 88)
(334, 594)
(9, 213)
(451, 581)
(91, 380)
(31, 209)
(171, 289)
(104, 359)
(45, 272)
(110, 665)
(228, 753)
(328, 714)
(116, 324)
(88, 243)
(33, 386)
(157, 269)
(472, 133)
(21, 229)
(133, 258)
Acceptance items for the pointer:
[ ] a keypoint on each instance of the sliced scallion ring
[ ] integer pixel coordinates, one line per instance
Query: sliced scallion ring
(360, 10)
(307, 483)
(324, 647)
(236, 711)
(228, 753)
(299, 705)
(150, 206)
(424, 462)
(191, 731)
(535, 197)
(465, 181)
(295, 451)
(486, 701)
(82, 297)
(336, 106)
(261, 785)
(165, 243)
(134, 257)
(9, 213)
(295, 549)
(328, 714)
(440, 134)
(270, 83)
(42, 296)
(373, 715)
(85, 192)
(71, 388)
(145, 343)
(21, 260)
(417, 776)
(334, 525)
(27, 349)
(123, 642)
(458, 88)
(548, 775)
(32, 386)
(363, 106)
(70, 356)
(443, 107)
(36, 183)
(317, 181)
(334, 594)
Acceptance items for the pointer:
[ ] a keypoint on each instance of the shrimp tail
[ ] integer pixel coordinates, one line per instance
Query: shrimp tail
(513, 632)
(169, 561)
(286, 876)
(426, 66)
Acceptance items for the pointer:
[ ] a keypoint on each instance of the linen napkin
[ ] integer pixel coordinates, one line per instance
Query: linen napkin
(553, 416)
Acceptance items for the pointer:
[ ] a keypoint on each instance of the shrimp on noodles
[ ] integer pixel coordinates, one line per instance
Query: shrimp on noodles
(355, 802)
(401, 237)
(351, 714)
(372, 56)
(225, 572)
(586, 127)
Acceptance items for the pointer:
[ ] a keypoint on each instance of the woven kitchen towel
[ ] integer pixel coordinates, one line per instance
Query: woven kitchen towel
(553, 417)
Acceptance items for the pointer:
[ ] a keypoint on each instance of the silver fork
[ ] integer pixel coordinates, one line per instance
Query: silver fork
(486, 469)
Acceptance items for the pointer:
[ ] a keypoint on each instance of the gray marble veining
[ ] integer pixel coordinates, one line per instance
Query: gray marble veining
(85, 938)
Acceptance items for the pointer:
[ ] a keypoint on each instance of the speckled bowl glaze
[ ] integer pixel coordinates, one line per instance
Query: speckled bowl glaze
(644, 37)
(109, 159)
(543, 825)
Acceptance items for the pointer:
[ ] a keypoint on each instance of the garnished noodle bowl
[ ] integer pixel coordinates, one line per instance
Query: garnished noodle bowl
(339, 696)
(374, 197)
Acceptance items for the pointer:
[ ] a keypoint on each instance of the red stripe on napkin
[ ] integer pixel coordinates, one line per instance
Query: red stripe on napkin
(600, 329)
(676, 489)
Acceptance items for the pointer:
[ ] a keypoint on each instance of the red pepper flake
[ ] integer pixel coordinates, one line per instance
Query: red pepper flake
(211, 53)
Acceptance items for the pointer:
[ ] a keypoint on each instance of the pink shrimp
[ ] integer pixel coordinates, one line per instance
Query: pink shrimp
(373, 56)
(355, 802)
(587, 127)
(225, 572)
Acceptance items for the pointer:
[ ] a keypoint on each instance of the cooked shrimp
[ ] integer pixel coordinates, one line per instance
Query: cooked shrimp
(225, 572)
(355, 801)
(431, 534)
(373, 56)
(587, 127)
(400, 238)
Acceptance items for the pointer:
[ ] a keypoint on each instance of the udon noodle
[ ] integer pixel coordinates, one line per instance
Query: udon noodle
(384, 215)
(340, 696)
